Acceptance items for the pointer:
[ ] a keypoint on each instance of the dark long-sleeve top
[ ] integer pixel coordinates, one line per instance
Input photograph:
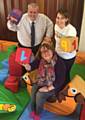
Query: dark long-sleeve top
(60, 73)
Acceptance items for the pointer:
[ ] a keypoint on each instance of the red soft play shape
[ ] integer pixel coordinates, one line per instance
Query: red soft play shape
(15, 69)
(15, 72)
(12, 83)
(23, 55)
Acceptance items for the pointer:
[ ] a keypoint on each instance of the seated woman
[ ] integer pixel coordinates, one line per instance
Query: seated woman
(50, 78)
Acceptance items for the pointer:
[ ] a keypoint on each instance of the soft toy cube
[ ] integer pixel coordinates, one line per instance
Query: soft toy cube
(68, 44)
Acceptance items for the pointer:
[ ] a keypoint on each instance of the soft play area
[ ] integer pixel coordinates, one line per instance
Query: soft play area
(15, 93)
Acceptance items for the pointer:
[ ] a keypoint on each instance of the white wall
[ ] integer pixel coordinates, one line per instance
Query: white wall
(82, 35)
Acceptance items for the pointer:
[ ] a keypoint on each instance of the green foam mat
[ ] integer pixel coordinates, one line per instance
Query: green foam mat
(11, 48)
(1, 66)
(78, 69)
(3, 55)
(20, 99)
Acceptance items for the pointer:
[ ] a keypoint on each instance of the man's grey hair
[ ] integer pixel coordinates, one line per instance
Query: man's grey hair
(34, 5)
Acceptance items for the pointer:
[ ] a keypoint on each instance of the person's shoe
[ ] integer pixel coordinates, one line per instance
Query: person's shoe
(32, 114)
(37, 117)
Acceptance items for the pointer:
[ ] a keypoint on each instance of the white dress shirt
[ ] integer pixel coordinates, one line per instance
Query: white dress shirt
(43, 26)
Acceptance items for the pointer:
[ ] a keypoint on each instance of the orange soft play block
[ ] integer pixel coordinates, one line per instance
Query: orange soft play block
(80, 57)
(68, 106)
(4, 44)
(69, 44)
(1, 45)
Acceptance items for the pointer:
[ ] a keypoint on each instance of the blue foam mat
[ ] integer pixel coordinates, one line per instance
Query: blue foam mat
(5, 63)
(50, 116)
(4, 70)
(3, 74)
